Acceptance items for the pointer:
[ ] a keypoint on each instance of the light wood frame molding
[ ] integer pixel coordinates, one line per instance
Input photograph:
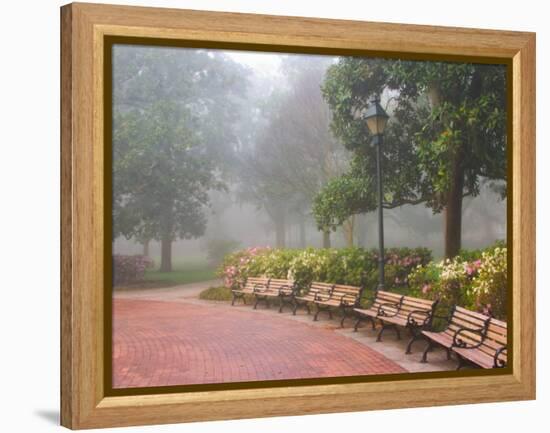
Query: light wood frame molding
(83, 28)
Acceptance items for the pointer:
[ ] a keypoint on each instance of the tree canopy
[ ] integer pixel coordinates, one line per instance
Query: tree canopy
(172, 139)
(447, 131)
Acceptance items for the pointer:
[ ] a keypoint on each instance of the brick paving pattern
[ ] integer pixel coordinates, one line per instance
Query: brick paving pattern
(176, 343)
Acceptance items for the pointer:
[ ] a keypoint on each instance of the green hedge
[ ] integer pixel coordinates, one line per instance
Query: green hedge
(476, 280)
(353, 266)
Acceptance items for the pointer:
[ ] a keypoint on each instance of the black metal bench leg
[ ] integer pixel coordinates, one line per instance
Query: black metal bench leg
(344, 314)
(448, 354)
(414, 338)
(256, 302)
(295, 307)
(308, 309)
(316, 313)
(379, 336)
(429, 347)
(357, 323)
(233, 300)
(329, 314)
(461, 363)
(397, 332)
(281, 304)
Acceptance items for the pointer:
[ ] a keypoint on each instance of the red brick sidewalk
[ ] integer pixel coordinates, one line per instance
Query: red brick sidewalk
(177, 343)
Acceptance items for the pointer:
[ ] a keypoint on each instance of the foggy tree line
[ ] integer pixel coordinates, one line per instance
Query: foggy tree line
(189, 125)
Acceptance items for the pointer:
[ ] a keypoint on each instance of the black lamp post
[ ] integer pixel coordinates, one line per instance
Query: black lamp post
(376, 119)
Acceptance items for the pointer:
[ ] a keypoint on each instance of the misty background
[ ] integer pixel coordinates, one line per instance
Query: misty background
(262, 130)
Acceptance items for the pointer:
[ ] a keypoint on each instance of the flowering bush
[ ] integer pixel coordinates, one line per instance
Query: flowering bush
(479, 283)
(489, 288)
(352, 266)
(236, 267)
(128, 269)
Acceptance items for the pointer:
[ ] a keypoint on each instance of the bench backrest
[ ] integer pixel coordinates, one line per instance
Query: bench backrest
(493, 332)
(251, 282)
(321, 288)
(276, 284)
(383, 297)
(463, 318)
(410, 305)
(495, 339)
(350, 294)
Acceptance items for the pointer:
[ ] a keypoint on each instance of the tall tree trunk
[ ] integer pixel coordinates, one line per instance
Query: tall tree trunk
(453, 210)
(348, 227)
(280, 232)
(146, 247)
(302, 230)
(326, 239)
(166, 253)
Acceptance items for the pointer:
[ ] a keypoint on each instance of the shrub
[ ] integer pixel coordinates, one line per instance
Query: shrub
(475, 280)
(449, 280)
(489, 288)
(221, 293)
(129, 269)
(353, 266)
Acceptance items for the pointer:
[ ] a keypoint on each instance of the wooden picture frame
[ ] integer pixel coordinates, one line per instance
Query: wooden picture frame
(84, 29)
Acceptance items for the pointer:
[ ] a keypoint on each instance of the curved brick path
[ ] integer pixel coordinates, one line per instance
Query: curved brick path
(177, 343)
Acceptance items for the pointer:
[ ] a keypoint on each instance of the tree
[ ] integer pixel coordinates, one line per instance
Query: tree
(294, 153)
(168, 147)
(161, 178)
(447, 132)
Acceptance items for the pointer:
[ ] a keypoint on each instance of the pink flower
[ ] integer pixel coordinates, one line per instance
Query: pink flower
(426, 288)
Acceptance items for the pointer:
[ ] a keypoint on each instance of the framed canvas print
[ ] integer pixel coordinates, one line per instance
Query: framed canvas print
(269, 216)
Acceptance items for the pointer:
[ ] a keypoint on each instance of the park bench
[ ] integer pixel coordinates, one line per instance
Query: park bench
(314, 289)
(248, 288)
(397, 311)
(462, 325)
(486, 350)
(341, 297)
(282, 290)
(381, 298)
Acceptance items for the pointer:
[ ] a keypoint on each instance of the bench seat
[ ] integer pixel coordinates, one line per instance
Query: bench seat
(473, 337)
(315, 291)
(342, 297)
(396, 311)
(248, 288)
(277, 289)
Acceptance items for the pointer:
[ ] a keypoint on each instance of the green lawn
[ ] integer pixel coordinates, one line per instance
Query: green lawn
(184, 271)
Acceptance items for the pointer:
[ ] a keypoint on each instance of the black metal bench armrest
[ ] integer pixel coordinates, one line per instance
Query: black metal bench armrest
(458, 342)
(322, 297)
(353, 301)
(383, 313)
(258, 288)
(411, 321)
(286, 290)
(498, 362)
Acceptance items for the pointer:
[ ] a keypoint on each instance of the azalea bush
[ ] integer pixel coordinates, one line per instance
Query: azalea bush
(353, 266)
(130, 269)
(489, 288)
(476, 280)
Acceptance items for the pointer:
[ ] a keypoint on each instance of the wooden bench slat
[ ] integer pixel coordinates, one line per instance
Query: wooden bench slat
(480, 358)
(418, 301)
(475, 321)
(471, 313)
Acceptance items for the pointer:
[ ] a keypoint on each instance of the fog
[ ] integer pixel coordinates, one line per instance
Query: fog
(265, 132)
